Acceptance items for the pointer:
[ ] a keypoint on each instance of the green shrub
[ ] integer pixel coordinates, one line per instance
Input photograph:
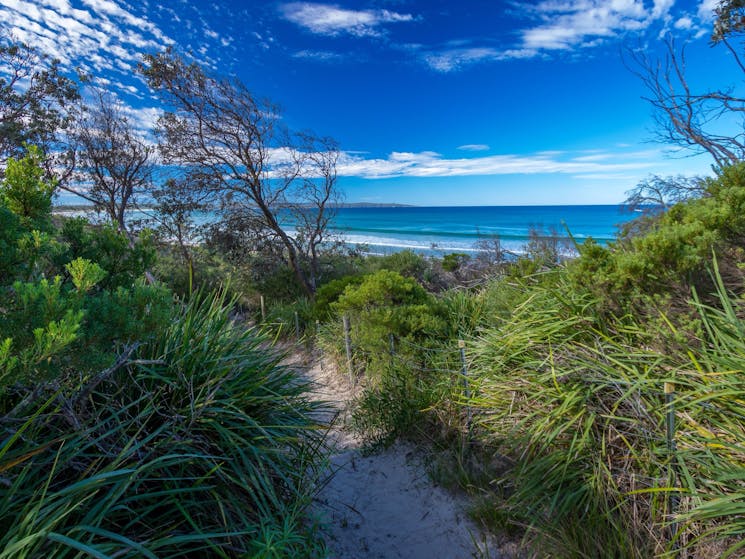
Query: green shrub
(110, 249)
(121, 317)
(387, 303)
(39, 325)
(674, 251)
(10, 232)
(406, 263)
(329, 293)
(454, 261)
(26, 192)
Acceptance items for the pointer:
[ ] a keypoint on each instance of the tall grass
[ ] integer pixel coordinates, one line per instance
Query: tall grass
(577, 403)
(200, 444)
(711, 443)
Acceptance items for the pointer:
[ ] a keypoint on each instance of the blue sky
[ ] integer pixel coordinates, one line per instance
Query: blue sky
(433, 102)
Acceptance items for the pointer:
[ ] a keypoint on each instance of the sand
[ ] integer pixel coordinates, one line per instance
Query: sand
(385, 505)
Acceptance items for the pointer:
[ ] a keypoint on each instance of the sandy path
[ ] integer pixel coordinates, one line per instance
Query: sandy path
(384, 505)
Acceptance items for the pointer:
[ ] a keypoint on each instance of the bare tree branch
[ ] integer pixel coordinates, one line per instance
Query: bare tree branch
(114, 164)
(693, 120)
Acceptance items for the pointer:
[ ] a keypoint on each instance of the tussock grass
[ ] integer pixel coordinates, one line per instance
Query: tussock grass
(198, 445)
(577, 403)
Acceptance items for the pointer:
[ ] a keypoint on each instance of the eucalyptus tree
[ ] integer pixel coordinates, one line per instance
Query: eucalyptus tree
(176, 204)
(278, 187)
(114, 161)
(657, 193)
(35, 102)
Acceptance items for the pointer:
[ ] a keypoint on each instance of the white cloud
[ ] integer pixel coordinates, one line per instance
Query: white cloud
(328, 19)
(662, 8)
(567, 25)
(319, 55)
(684, 23)
(104, 36)
(431, 164)
(473, 147)
(561, 25)
(453, 59)
(706, 10)
(449, 60)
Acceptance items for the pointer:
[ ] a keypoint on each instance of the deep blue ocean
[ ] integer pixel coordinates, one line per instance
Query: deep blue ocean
(458, 229)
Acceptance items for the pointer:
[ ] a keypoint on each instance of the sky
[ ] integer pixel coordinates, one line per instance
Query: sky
(433, 102)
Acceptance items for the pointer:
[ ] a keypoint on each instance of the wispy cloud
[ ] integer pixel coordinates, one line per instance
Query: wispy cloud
(567, 26)
(473, 147)
(108, 37)
(319, 55)
(330, 19)
(706, 9)
(103, 36)
(453, 59)
(578, 23)
(432, 164)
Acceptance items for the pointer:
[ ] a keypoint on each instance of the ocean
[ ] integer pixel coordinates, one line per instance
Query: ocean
(440, 230)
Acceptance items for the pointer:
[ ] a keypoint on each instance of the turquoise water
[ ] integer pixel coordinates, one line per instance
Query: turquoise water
(439, 230)
(449, 229)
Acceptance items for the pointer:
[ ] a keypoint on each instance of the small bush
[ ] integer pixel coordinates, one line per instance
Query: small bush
(454, 261)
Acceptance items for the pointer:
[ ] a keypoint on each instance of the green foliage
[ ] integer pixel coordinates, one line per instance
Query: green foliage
(673, 252)
(406, 263)
(393, 407)
(280, 319)
(202, 446)
(122, 316)
(382, 288)
(329, 293)
(84, 274)
(279, 283)
(25, 191)
(63, 310)
(387, 303)
(455, 260)
(39, 326)
(575, 400)
(10, 231)
(110, 249)
(211, 272)
(40, 255)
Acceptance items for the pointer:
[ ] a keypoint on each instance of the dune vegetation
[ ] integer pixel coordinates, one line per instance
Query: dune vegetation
(600, 413)
(591, 406)
(136, 422)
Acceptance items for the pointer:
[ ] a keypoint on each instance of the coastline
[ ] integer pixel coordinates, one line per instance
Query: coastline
(435, 231)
